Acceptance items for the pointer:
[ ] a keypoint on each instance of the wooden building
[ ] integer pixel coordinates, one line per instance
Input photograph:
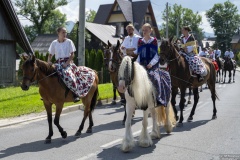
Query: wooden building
(11, 33)
(123, 12)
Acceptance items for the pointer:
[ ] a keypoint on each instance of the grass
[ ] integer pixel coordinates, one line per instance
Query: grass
(16, 102)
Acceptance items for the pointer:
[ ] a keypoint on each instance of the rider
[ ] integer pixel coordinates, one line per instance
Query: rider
(230, 55)
(148, 57)
(63, 49)
(217, 52)
(130, 43)
(203, 53)
(189, 46)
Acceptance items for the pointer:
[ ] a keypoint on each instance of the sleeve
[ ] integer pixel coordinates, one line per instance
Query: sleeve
(136, 50)
(219, 53)
(232, 55)
(51, 49)
(156, 57)
(72, 47)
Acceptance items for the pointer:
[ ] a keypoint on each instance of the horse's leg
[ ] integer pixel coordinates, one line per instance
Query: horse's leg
(144, 138)
(212, 88)
(229, 76)
(201, 88)
(196, 98)
(234, 70)
(217, 75)
(155, 129)
(57, 118)
(173, 101)
(48, 107)
(189, 95)
(114, 95)
(224, 75)
(181, 105)
(128, 141)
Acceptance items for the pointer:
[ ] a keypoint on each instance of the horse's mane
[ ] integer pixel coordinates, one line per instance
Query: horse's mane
(45, 67)
(141, 85)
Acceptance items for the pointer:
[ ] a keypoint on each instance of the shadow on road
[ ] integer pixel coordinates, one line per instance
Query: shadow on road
(110, 153)
(188, 126)
(36, 146)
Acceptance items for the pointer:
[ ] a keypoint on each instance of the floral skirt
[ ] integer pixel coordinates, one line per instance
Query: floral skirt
(195, 63)
(78, 79)
(162, 83)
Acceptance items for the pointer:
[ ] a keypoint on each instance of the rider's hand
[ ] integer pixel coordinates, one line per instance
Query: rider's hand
(149, 66)
(64, 65)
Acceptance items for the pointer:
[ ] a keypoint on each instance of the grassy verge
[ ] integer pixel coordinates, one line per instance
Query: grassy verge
(15, 102)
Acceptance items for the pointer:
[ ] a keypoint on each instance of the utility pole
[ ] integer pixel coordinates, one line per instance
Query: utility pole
(81, 33)
(167, 20)
(177, 27)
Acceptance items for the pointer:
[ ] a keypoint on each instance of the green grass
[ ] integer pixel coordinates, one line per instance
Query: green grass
(15, 102)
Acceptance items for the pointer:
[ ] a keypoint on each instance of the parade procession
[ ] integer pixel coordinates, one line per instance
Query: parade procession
(119, 79)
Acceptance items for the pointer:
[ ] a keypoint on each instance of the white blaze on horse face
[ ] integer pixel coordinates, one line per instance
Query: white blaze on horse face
(121, 86)
(110, 61)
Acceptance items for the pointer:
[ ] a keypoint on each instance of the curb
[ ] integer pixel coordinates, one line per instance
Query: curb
(17, 120)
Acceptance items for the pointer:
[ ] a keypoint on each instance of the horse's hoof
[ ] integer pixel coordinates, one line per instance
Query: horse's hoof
(113, 103)
(177, 117)
(48, 141)
(123, 122)
(77, 134)
(189, 102)
(179, 124)
(89, 130)
(64, 134)
(200, 90)
(233, 81)
(190, 119)
(214, 117)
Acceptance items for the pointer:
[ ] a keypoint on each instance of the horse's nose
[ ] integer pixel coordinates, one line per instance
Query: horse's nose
(24, 87)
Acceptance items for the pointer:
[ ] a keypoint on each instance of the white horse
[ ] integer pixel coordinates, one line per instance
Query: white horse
(140, 93)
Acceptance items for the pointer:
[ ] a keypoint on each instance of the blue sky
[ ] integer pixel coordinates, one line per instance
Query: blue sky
(200, 6)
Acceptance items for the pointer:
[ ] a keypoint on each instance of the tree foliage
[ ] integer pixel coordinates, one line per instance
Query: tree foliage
(185, 17)
(90, 15)
(225, 20)
(38, 11)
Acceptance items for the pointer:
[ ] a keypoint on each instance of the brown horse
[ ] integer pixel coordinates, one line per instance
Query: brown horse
(53, 92)
(181, 77)
(112, 60)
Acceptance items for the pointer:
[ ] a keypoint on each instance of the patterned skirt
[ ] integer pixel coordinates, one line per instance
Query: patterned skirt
(195, 63)
(78, 79)
(162, 83)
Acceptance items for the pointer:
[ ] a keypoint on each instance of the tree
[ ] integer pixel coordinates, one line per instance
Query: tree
(90, 15)
(38, 12)
(183, 17)
(224, 19)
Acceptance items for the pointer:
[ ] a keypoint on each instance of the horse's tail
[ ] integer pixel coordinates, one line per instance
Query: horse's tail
(95, 95)
(214, 80)
(166, 117)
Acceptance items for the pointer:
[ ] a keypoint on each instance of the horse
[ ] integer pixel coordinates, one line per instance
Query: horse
(53, 92)
(219, 75)
(229, 66)
(181, 77)
(112, 60)
(140, 94)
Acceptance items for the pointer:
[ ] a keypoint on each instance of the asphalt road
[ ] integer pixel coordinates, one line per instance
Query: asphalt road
(202, 139)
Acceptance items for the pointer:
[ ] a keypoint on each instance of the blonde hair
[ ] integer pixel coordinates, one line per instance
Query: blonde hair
(130, 25)
(147, 25)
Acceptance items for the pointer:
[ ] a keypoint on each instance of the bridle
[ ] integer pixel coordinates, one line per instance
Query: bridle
(168, 60)
(111, 59)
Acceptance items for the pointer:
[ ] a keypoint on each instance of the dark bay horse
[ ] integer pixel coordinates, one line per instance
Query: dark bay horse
(112, 60)
(180, 77)
(219, 76)
(53, 92)
(229, 66)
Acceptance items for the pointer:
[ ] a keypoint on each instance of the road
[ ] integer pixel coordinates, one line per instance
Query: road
(202, 139)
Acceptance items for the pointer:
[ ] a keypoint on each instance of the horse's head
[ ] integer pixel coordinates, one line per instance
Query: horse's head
(112, 57)
(29, 69)
(125, 73)
(166, 50)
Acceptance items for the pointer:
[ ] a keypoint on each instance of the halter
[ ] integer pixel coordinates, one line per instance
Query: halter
(111, 58)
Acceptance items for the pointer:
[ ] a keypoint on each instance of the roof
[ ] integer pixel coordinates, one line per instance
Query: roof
(16, 26)
(42, 42)
(236, 39)
(103, 32)
(126, 7)
(129, 9)
(102, 14)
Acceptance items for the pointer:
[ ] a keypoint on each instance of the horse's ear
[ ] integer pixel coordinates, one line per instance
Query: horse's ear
(170, 39)
(118, 43)
(33, 58)
(24, 58)
(109, 44)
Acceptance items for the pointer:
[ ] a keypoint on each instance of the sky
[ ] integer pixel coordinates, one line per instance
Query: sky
(200, 6)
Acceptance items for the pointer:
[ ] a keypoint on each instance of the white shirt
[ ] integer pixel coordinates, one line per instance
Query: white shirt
(155, 58)
(217, 53)
(61, 50)
(130, 42)
(229, 53)
(202, 54)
